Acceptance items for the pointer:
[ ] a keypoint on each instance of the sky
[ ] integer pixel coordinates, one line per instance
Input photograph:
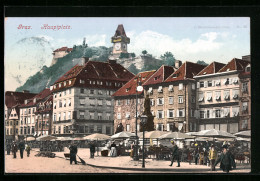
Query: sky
(189, 39)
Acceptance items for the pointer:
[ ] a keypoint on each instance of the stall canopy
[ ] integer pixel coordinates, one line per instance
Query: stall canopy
(175, 135)
(64, 138)
(214, 133)
(30, 139)
(46, 138)
(153, 134)
(96, 136)
(122, 135)
(244, 134)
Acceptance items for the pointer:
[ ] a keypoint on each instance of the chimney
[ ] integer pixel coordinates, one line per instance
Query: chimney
(85, 60)
(178, 63)
(247, 58)
(26, 91)
(112, 61)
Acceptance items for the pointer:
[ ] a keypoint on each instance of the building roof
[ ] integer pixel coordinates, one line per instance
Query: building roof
(160, 75)
(94, 70)
(212, 68)
(187, 71)
(120, 31)
(235, 64)
(16, 98)
(43, 94)
(63, 49)
(130, 87)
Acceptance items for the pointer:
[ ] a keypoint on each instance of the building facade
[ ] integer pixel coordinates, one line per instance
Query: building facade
(129, 103)
(218, 94)
(82, 102)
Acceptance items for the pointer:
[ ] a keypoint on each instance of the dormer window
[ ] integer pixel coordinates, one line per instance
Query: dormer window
(81, 81)
(235, 80)
(69, 82)
(59, 84)
(204, 73)
(160, 89)
(64, 83)
(54, 86)
(127, 89)
(174, 76)
(150, 91)
(228, 69)
(170, 88)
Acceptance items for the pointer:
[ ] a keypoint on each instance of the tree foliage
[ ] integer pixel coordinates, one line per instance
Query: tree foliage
(119, 128)
(201, 62)
(169, 59)
(144, 52)
(149, 126)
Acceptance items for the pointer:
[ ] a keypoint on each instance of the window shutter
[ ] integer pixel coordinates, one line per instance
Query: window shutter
(157, 126)
(162, 100)
(168, 114)
(173, 113)
(157, 114)
(183, 113)
(158, 102)
(162, 114)
(162, 127)
(168, 127)
(178, 113)
(205, 84)
(198, 85)
(213, 83)
(230, 81)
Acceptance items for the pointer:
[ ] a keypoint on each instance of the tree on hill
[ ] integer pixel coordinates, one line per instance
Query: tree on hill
(201, 62)
(168, 58)
(144, 52)
(132, 68)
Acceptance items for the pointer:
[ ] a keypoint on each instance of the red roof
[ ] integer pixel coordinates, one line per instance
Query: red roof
(120, 31)
(96, 71)
(16, 98)
(160, 75)
(130, 87)
(212, 68)
(43, 94)
(63, 49)
(187, 71)
(235, 64)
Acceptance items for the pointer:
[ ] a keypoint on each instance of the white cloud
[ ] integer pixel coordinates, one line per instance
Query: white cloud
(48, 38)
(95, 40)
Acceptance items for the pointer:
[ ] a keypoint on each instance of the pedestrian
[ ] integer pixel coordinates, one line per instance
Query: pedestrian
(196, 153)
(14, 149)
(28, 149)
(189, 156)
(21, 148)
(174, 154)
(73, 152)
(8, 148)
(92, 149)
(212, 157)
(113, 152)
(226, 160)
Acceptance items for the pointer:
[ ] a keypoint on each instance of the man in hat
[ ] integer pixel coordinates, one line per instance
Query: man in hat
(92, 149)
(174, 154)
(226, 160)
(14, 149)
(212, 157)
(196, 153)
(21, 148)
(8, 148)
(73, 152)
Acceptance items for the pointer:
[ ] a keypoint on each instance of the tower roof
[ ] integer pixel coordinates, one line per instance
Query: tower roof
(120, 31)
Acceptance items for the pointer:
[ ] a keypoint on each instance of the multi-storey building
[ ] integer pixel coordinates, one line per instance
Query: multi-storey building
(245, 99)
(43, 114)
(173, 100)
(125, 105)
(82, 102)
(12, 112)
(218, 95)
(27, 124)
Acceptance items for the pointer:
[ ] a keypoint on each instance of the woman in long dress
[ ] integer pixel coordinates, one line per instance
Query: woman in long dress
(113, 152)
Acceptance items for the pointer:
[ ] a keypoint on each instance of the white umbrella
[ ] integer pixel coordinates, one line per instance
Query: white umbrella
(214, 133)
(122, 134)
(153, 134)
(46, 138)
(243, 139)
(245, 134)
(175, 135)
(64, 138)
(30, 139)
(97, 136)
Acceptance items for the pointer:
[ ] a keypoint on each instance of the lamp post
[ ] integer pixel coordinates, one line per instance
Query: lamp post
(143, 122)
(139, 88)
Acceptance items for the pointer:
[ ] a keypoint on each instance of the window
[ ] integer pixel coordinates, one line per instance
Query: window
(99, 101)
(69, 115)
(170, 89)
(180, 99)
(202, 84)
(92, 91)
(235, 80)
(160, 114)
(108, 130)
(64, 103)
(21, 130)
(181, 113)
(209, 96)
(217, 95)
(59, 129)
(109, 92)
(245, 107)
(55, 95)
(226, 94)
(170, 100)
(64, 93)
(108, 116)
(192, 113)
(160, 101)
(100, 92)
(235, 93)
(108, 102)
(127, 101)
(217, 113)
(150, 90)
(160, 89)
(82, 101)
(127, 89)
(226, 112)
(127, 115)
(227, 81)
(210, 83)
(64, 83)
(217, 82)
(245, 87)
(99, 129)
(81, 81)
(91, 115)
(92, 102)
(60, 103)
(91, 129)
(118, 102)
(29, 120)
(170, 113)
(29, 130)
(159, 127)
(180, 86)
(235, 111)
(128, 127)
(64, 116)
(118, 115)
(99, 116)
(82, 91)
(69, 91)
(60, 94)
(244, 124)
(81, 114)
(59, 117)
(201, 97)
(32, 119)
(29, 111)
(193, 100)
(54, 117)
(202, 114)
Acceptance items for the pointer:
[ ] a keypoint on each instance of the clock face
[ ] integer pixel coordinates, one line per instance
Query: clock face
(117, 46)
(124, 46)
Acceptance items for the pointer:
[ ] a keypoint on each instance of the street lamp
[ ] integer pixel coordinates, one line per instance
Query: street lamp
(139, 88)
(143, 122)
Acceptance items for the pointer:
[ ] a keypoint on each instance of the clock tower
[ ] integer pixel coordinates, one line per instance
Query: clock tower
(120, 41)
